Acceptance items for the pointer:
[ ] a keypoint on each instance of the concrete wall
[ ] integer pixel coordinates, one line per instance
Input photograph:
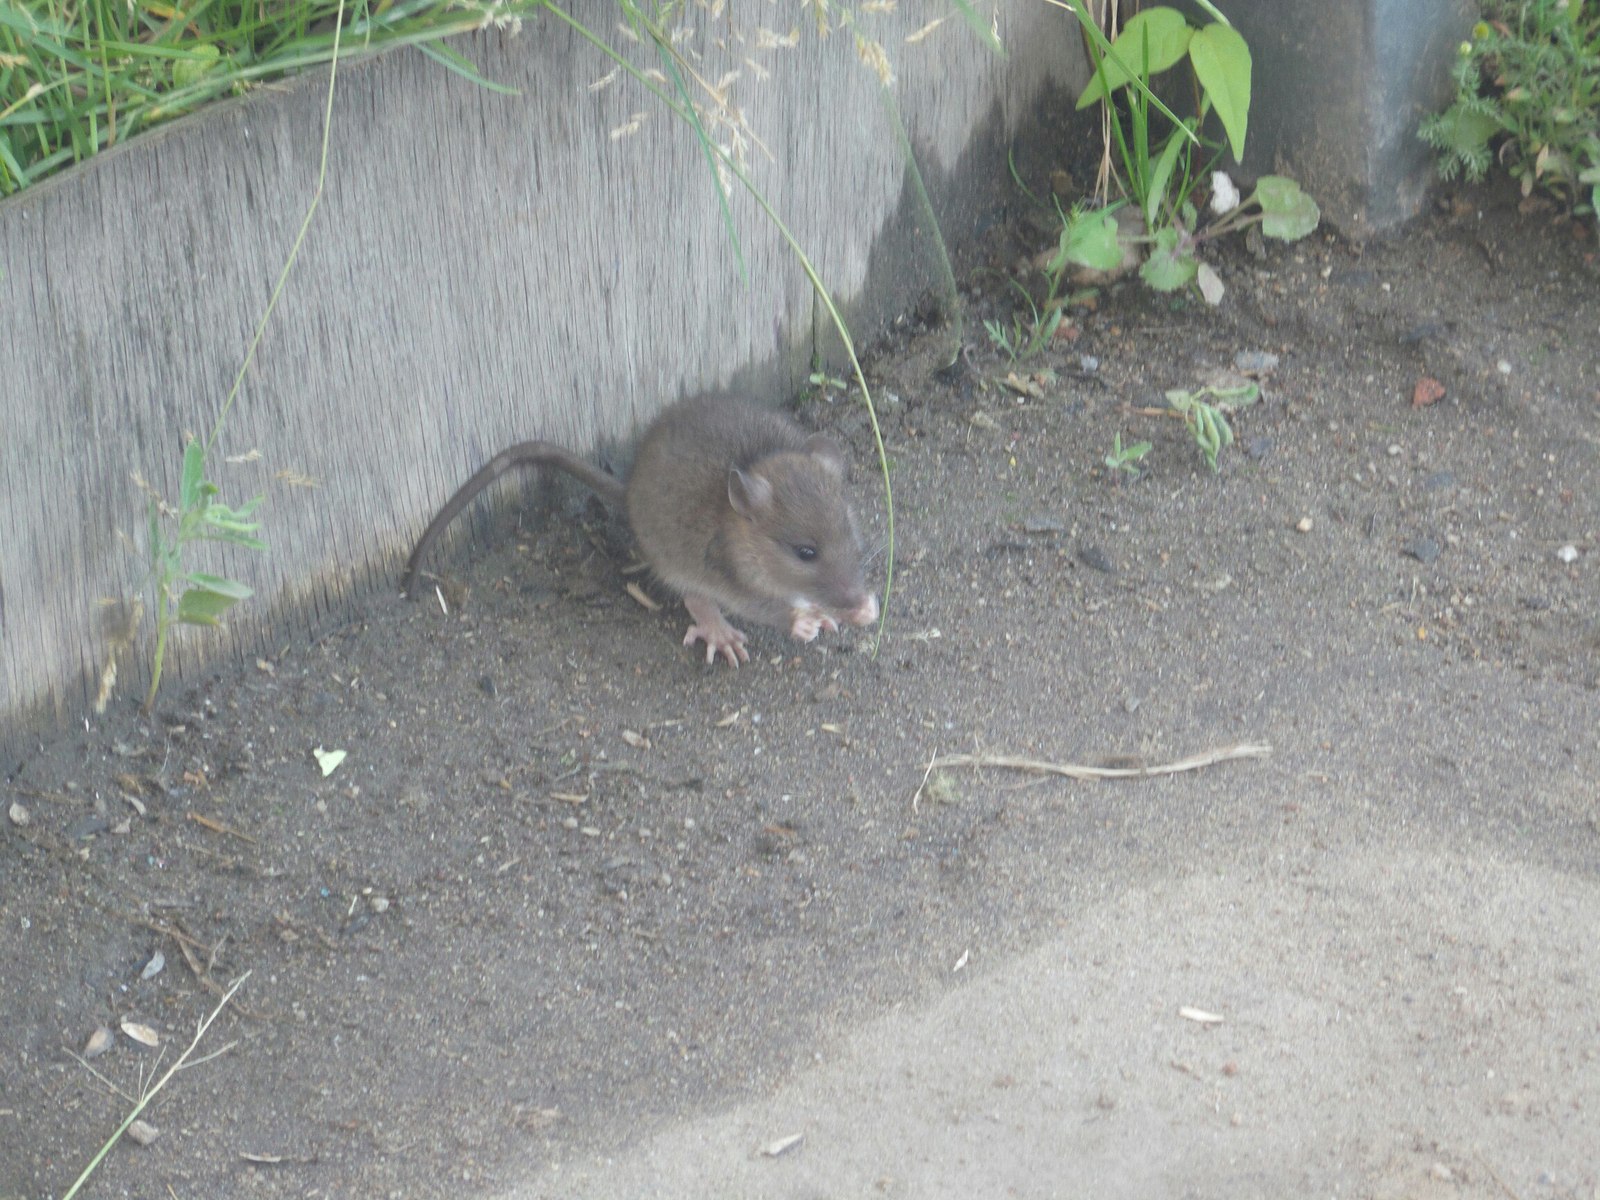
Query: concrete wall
(1339, 90)
(483, 268)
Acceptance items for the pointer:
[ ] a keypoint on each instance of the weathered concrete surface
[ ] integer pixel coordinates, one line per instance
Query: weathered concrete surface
(1339, 90)
(1071, 1071)
(483, 268)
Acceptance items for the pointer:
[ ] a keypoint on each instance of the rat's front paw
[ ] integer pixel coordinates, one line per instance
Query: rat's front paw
(723, 639)
(713, 629)
(808, 622)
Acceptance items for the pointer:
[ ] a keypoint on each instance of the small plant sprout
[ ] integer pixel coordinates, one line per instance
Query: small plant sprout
(1030, 334)
(187, 596)
(1160, 174)
(1125, 460)
(1208, 422)
(1527, 99)
(193, 597)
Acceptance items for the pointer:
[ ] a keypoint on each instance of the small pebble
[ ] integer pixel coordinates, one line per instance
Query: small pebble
(1503, 367)
(1423, 549)
(1568, 553)
(1303, 525)
(1253, 361)
(1096, 559)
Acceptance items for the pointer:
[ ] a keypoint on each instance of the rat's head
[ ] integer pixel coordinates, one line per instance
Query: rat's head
(796, 541)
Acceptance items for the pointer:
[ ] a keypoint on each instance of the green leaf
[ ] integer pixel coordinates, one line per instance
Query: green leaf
(1161, 176)
(224, 517)
(194, 474)
(452, 61)
(209, 598)
(1222, 65)
(1089, 239)
(157, 542)
(1168, 35)
(195, 65)
(1287, 213)
(233, 537)
(1170, 265)
(1464, 131)
(220, 585)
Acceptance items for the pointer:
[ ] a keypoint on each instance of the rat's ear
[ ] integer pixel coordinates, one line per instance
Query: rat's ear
(827, 452)
(749, 493)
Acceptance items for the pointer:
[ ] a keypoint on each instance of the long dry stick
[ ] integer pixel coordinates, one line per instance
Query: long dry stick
(1194, 762)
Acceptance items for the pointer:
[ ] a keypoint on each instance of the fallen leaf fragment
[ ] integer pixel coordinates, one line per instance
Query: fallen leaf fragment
(782, 1145)
(1024, 387)
(328, 760)
(1428, 391)
(99, 1042)
(1199, 1016)
(142, 1034)
(644, 600)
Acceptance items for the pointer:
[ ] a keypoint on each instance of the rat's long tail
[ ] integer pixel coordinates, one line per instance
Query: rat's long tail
(524, 454)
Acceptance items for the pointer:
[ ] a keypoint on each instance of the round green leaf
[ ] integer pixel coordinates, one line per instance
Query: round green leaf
(1090, 239)
(1160, 32)
(1287, 213)
(1169, 267)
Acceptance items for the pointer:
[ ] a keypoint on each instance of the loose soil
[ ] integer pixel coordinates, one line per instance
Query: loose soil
(580, 916)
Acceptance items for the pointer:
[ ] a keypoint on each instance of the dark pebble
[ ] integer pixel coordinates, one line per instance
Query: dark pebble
(1096, 559)
(1423, 549)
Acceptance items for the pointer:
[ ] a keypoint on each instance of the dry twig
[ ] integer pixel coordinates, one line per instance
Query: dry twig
(1194, 762)
(151, 1093)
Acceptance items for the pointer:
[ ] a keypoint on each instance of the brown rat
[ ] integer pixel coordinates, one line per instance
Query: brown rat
(734, 507)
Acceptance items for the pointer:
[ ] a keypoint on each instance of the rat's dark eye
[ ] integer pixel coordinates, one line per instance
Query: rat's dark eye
(804, 553)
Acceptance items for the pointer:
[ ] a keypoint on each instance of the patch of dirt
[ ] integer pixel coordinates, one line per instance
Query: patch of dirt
(573, 894)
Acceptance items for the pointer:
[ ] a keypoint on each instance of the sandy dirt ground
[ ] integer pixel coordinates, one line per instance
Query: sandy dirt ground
(578, 916)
